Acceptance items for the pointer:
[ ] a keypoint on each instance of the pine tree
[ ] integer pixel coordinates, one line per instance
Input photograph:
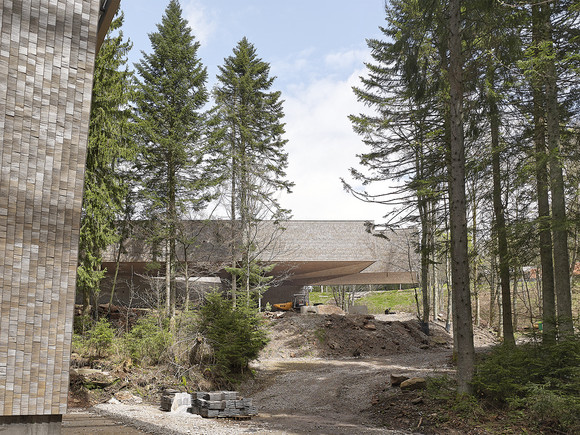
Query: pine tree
(550, 67)
(405, 87)
(109, 145)
(462, 318)
(248, 132)
(173, 163)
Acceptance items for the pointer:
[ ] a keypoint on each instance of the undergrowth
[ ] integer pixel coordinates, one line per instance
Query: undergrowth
(215, 343)
(538, 381)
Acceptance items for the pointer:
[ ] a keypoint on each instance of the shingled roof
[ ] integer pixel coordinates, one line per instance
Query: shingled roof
(310, 252)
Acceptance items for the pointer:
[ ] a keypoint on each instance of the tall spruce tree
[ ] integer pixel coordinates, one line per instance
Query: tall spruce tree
(173, 161)
(109, 145)
(405, 87)
(248, 131)
(550, 66)
(461, 299)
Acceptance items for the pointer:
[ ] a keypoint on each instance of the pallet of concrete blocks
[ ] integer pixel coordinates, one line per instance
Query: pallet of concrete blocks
(222, 404)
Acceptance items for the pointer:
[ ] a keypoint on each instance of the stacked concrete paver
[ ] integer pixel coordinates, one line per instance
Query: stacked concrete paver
(220, 404)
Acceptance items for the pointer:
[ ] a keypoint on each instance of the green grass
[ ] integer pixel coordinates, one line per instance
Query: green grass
(320, 298)
(395, 300)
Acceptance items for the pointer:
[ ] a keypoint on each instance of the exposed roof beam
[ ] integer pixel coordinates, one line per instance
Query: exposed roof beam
(107, 11)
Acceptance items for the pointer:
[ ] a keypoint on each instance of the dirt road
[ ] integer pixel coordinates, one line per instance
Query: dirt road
(309, 381)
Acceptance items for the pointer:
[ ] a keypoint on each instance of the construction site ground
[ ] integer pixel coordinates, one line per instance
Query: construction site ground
(327, 374)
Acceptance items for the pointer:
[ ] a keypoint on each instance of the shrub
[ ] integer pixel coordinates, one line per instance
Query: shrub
(542, 380)
(100, 337)
(553, 410)
(148, 342)
(236, 334)
(93, 338)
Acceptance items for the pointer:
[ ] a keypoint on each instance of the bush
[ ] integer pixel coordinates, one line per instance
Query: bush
(552, 410)
(148, 342)
(543, 380)
(100, 338)
(236, 334)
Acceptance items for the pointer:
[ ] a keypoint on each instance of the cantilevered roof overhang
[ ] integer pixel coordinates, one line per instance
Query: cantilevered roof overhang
(107, 11)
(304, 253)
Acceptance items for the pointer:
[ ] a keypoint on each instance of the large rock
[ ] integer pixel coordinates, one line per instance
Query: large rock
(397, 379)
(414, 384)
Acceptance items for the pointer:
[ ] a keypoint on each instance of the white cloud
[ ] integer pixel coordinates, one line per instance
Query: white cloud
(347, 59)
(322, 147)
(201, 21)
(294, 67)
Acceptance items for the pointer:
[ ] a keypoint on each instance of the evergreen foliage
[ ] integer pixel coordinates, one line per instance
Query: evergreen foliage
(109, 148)
(100, 337)
(236, 334)
(149, 340)
(248, 134)
(543, 379)
(174, 164)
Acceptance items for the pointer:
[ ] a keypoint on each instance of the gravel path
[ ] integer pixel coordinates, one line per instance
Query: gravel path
(298, 391)
(151, 420)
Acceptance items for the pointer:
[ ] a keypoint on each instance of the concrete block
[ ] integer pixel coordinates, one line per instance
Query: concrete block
(209, 413)
(229, 395)
(213, 396)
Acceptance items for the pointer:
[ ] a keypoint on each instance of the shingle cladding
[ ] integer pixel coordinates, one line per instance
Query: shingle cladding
(300, 241)
(47, 50)
(328, 240)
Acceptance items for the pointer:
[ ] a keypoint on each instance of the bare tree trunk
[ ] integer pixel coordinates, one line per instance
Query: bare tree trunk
(500, 225)
(435, 287)
(462, 320)
(475, 254)
(515, 302)
(492, 295)
(499, 320)
(545, 235)
(117, 265)
(559, 222)
(167, 278)
(424, 263)
(448, 314)
(233, 235)
(186, 272)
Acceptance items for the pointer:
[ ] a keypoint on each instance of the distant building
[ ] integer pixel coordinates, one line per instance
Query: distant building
(305, 253)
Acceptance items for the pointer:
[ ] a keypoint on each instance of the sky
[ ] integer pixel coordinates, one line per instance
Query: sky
(316, 50)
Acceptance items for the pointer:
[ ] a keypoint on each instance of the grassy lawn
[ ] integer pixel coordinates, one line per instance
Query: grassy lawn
(377, 301)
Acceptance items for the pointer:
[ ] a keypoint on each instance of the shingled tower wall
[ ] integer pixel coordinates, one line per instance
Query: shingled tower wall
(47, 51)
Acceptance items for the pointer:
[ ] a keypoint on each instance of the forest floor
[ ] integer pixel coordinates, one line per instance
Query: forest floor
(329, 374)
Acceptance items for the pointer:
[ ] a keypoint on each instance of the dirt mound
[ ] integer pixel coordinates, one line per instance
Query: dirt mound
(347, 336)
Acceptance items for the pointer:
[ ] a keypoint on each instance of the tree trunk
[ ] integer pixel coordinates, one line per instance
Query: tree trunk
(233, 229)
(500, 225)
(515, 302)
(186, 272)
(117, 265)
(492, 295)
(435, 287)
(167, 278)
(475, 255)
(545, 235)
(462, 320)
(424, 217)
(559, 223)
